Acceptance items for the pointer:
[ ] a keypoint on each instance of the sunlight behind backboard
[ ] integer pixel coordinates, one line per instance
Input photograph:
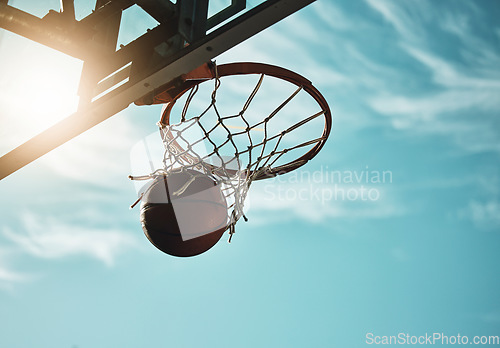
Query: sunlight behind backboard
(39, 87)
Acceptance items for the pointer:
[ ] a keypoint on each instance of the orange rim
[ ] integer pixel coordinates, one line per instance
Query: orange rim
(172, 91)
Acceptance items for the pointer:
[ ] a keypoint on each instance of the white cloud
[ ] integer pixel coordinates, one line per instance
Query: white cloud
(426, 107)
(467, 115)
(319, 202)
(100, 155)
(50, 238)
(445, 74)
(463, 102)
(8, 276)
(405, 17)
(478, 52)
(332, 16)
(455, 24)
(482, 214)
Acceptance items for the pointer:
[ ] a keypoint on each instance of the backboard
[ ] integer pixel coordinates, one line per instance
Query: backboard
(189, 33)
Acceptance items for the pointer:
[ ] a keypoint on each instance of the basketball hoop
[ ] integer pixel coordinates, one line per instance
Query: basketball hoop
(236, 148)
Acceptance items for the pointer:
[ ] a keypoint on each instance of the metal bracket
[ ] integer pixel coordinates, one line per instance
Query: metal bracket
(223, 15)
(193, 19)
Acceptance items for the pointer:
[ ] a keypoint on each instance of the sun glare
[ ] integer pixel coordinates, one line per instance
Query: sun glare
(53, 91)
(39, 85)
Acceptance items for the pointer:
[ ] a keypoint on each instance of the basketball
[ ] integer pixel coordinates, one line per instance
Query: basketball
(184, 213)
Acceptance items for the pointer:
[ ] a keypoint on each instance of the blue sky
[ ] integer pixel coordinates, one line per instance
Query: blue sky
(414, 88)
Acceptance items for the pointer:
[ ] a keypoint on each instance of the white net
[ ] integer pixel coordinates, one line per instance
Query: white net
(235, 148)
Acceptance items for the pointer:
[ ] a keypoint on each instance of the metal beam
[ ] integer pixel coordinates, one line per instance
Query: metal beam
(183, 62)
(37, 29)
(103, 12)
(193, 19)
(235, 7)
(139, 52)
(68, 9)
(224, 38)
(160, 10)
(107, 38)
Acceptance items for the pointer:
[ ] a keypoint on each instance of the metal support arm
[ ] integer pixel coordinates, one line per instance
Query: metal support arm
(146, 81)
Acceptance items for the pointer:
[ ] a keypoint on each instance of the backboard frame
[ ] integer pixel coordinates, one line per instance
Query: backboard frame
(184, 52)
